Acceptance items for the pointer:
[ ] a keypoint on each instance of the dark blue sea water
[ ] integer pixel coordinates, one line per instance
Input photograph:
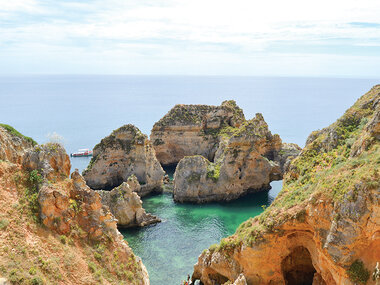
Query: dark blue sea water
(84, 109)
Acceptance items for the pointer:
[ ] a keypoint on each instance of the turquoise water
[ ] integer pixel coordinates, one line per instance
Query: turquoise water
(170, 249)
(84, 109)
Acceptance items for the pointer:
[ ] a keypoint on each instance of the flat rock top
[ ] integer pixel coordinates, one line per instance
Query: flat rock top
(182, 115)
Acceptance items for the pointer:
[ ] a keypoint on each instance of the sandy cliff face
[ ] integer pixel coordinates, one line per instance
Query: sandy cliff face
(192, 130)
(126, 205)
(125, 152)
(324, 226)
(55, 230)
(247, 159)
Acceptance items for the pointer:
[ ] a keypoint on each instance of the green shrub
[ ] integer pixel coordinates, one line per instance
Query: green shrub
(36, 281)
(63, 239)
(3, 224)
(358, 273)
(16, 133)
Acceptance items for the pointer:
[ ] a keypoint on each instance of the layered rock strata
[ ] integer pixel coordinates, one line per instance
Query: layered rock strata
(324, 226)
(124, 153)
(247, 159)
(126, 205)
(192, 130)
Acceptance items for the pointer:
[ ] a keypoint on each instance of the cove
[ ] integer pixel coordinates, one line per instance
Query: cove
(170, 249)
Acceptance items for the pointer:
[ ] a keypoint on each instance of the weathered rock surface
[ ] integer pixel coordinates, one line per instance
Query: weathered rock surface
(247, 159)
(126, 205)
(78, 239)
(13, 145)
(188, 130)
(324, 226)
(124, 153)
(51, 160)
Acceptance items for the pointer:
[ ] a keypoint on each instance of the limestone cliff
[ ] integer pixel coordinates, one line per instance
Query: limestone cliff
(192, 130)
(124, 152)
(126, 205)
(247, 159)
(55, 230)
(324, 226)
(13, 144)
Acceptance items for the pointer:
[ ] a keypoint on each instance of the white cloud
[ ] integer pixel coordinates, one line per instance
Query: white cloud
(139, 31)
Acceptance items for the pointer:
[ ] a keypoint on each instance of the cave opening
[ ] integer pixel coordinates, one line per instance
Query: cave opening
(169, 170)
(297, 267)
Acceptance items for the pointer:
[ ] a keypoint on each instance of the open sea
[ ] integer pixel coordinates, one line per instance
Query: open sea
(84, 109)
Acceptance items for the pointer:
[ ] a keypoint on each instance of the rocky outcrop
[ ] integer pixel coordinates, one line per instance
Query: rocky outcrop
(323, 227)
(126, 205)
(13, 145)
(247, 159)
(51, 161)
(57, 227)
(124, 153)
(188, 130)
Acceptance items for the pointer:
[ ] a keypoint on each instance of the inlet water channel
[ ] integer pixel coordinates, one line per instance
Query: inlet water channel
(170, 249)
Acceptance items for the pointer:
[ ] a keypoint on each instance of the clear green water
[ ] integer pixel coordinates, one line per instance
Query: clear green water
(170, 249)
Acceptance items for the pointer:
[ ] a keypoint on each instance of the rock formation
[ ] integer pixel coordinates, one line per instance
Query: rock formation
(126, 205)
(324, 226)
(50, 159)
(192, 130)
(125, 152)
(247, 159)
(13, 144)
(54, 229)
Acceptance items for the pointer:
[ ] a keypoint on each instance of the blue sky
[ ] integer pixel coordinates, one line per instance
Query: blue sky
(329, 38)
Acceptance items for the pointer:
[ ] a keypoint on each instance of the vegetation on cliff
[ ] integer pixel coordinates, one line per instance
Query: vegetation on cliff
(329, 165)
(53, 230)
(16, 133)
(328, 206)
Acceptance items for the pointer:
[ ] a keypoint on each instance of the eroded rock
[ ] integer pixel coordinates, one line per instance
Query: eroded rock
(124, 153)
(126, 205)
(188, 130)
(248, 158)
(13, 145)
(50, 160)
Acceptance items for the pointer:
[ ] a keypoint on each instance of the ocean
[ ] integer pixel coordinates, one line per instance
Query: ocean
(84, 109)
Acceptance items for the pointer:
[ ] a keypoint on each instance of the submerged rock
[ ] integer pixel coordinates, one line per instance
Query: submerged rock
(126, 205)
(124, 153)
(323, 227)
(247, 159)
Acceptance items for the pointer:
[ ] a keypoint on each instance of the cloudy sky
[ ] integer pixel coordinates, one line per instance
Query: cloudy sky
(331, 38)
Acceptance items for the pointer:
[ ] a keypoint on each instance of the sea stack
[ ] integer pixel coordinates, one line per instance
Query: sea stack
(247, 159)
(125, 152)
(324, 226)
(192, 130)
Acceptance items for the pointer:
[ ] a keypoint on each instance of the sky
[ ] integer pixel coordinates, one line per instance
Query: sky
(323, 38)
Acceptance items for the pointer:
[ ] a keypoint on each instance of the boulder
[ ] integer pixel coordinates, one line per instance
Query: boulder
(126, 205)
(125, 152)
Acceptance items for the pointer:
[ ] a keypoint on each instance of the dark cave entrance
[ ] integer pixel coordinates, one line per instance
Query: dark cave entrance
(298, 268)
(169, 170)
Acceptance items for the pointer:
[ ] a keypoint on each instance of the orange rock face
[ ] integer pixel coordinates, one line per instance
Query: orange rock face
(324, 226)
(314, 246)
